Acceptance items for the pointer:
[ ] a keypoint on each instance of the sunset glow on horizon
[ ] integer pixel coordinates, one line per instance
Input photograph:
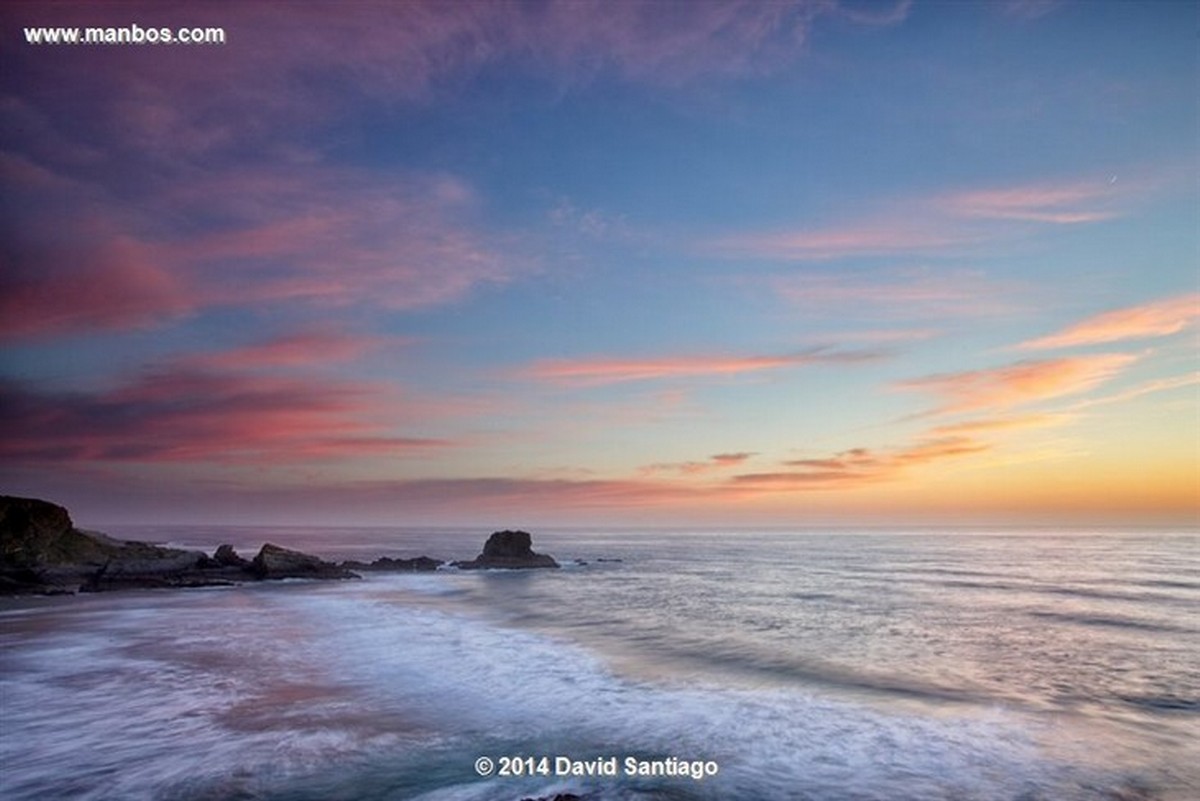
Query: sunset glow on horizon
(575, 263)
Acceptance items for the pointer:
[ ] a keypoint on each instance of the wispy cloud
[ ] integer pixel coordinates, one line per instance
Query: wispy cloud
(1157, 319)
(956, 221)
(600, 371)
(1146, 388)
(1062, 204)
(896, 293)
(1020, 383)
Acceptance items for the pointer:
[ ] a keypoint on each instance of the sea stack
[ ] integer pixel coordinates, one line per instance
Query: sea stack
(508, 549)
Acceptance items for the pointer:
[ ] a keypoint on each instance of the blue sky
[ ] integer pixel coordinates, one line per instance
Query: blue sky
(593, 263)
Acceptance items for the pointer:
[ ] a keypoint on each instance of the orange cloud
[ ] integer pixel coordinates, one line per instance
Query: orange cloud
(1157, 319)
(595, 372)
(1020, 383)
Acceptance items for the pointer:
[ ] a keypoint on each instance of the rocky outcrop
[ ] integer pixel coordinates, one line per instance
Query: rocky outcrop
(274, 562)
(42, 552)
(508, 549)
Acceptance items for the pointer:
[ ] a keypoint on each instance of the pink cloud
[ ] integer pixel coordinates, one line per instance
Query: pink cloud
(596, 372)
(1020, 383)
(1158, 319)
(107, 284)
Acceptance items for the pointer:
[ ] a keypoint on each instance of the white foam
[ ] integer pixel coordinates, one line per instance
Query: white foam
(266, 683)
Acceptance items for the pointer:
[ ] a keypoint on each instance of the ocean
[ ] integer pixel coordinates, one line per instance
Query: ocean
(838, 665)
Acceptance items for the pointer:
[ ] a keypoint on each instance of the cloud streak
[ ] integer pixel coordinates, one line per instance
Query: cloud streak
(858, 466)
(602, 371)
(1149, 320)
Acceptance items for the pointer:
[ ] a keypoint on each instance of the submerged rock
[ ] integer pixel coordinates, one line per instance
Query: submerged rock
(416, 564)
(508, 549)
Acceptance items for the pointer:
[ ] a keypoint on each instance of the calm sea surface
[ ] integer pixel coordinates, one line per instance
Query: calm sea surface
(1024, 666)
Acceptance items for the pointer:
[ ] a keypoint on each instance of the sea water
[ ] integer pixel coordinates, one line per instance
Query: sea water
(1001, 665)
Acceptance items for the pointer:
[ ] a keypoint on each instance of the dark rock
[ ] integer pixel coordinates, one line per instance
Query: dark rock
(226, 556)
(274, 562)
(508, 549)
(38, 533)
(557, 797)
(416, 564)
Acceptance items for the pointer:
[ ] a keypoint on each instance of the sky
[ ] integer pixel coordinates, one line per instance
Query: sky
(824, 262)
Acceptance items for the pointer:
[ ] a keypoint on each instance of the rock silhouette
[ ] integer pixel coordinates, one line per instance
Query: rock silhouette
(511, 550)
